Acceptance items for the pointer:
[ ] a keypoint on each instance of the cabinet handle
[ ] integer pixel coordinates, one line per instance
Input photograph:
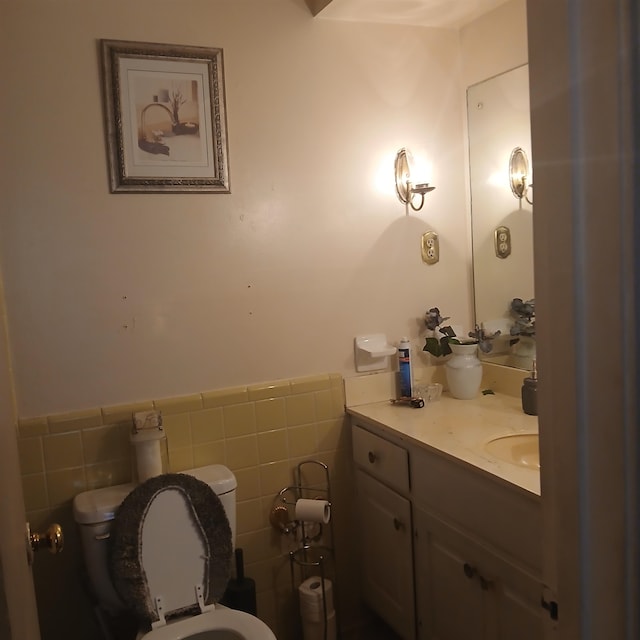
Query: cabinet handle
(485, 584)
(397, 524)
(469, 571)
(372, 457)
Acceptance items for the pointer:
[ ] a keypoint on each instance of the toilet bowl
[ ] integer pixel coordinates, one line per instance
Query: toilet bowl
(221, 624)
(164, 548)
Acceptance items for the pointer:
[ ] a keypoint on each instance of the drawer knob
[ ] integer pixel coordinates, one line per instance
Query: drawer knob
(485, 584)
(372, 457)
(469, 571)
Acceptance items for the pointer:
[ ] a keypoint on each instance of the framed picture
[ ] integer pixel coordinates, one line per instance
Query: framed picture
(165, 117)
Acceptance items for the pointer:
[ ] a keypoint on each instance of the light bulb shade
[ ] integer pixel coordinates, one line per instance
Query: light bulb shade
(404, 188)
(518, 172)
(403, 174)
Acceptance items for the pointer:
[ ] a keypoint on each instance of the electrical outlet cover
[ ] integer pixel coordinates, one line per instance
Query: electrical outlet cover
(430, 247)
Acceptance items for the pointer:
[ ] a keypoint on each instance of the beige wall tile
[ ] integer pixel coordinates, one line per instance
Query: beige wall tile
(269, 390)
(339, 400)
(249, 516)
(336, 380)
(31, 457)
(267, 503)
(62, 451)
(260, 432)
(106, 443)
(207, 425)
(264, 573)
(178, 430)
(310, 384)
(324, 404)
(273, 446)
(242, 452)
(65, 484)
(33, 427)
(313, 475)
(124, 412)
(300, 409)
(239, 419)
(248, 483)
(223, 397)
(302, 440)
(270, 414)
(75, 421)
(257, 545)
(275, 476)
(35, 491)
(332, 434)
(209, 453)
(180, 404)
(108, 474)
(180, 459)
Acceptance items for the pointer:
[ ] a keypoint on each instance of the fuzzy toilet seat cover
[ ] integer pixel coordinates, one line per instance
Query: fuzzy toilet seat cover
(125, 557)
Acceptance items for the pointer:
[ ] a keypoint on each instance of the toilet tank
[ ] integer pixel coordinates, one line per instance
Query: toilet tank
(94, 511)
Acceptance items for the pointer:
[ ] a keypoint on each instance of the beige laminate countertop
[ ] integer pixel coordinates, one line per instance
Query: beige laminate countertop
(460, 428)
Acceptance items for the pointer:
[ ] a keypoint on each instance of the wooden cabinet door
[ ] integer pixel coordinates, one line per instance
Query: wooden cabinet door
(464, 590)
(449, 600)
(387, 554)
(519, 613)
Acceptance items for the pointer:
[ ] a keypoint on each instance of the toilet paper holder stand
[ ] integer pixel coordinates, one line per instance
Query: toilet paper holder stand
(283, 510)
(315, 552)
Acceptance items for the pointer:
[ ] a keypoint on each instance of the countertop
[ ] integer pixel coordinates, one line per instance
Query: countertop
(459, 429)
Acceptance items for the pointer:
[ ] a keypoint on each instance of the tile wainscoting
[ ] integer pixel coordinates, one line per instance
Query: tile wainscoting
(261, 432)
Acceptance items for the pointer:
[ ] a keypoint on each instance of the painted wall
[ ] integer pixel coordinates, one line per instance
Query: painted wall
(116, 298)
(506, 29)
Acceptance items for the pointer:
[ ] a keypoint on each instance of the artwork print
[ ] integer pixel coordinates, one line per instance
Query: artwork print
(166, 121)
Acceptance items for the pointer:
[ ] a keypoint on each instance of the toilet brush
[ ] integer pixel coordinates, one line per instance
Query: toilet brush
(241, 591)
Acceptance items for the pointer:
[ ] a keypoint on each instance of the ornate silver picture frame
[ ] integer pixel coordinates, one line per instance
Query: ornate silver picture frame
(165, 117)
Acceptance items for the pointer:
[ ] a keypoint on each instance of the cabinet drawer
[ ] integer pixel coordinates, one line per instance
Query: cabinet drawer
(384, 460)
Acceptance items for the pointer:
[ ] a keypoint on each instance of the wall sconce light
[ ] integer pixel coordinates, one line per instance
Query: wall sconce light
(518, 174)
(406, 190)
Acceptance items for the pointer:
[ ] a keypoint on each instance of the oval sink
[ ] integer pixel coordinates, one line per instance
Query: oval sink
(517, 448)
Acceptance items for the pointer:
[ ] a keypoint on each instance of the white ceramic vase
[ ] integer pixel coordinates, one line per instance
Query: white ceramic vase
(464, 371)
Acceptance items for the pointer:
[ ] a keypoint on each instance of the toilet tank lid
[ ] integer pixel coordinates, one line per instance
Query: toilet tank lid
(99, 505)
(217, 476)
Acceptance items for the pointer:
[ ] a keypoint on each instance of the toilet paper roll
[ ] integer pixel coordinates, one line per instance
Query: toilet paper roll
(313, 510)
(310, 594)
(148, 459)
(316, 630)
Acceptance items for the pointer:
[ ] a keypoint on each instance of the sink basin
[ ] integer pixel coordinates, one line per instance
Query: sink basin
(517, 448)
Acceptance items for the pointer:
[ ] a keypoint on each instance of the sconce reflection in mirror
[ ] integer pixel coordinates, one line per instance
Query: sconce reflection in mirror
(518, 174)
(406, 190)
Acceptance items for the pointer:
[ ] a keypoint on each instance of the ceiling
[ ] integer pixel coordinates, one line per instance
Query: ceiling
(451, 14)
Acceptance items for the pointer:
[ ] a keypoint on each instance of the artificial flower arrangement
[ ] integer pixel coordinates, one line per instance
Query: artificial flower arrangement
(524, 314)
(440, 346)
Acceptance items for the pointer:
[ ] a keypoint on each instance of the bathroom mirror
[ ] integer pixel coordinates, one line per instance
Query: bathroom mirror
(501, 207)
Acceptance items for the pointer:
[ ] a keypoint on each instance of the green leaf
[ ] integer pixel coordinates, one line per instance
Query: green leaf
(432, 345)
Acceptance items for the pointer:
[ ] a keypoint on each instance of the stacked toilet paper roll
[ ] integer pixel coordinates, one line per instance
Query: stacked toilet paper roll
(313, 607)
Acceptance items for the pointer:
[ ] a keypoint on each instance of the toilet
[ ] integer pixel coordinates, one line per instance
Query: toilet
(164, 548)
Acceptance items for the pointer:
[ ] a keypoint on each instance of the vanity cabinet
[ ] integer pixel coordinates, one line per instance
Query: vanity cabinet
(382, 487)
(464, 590)
(449, 553)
